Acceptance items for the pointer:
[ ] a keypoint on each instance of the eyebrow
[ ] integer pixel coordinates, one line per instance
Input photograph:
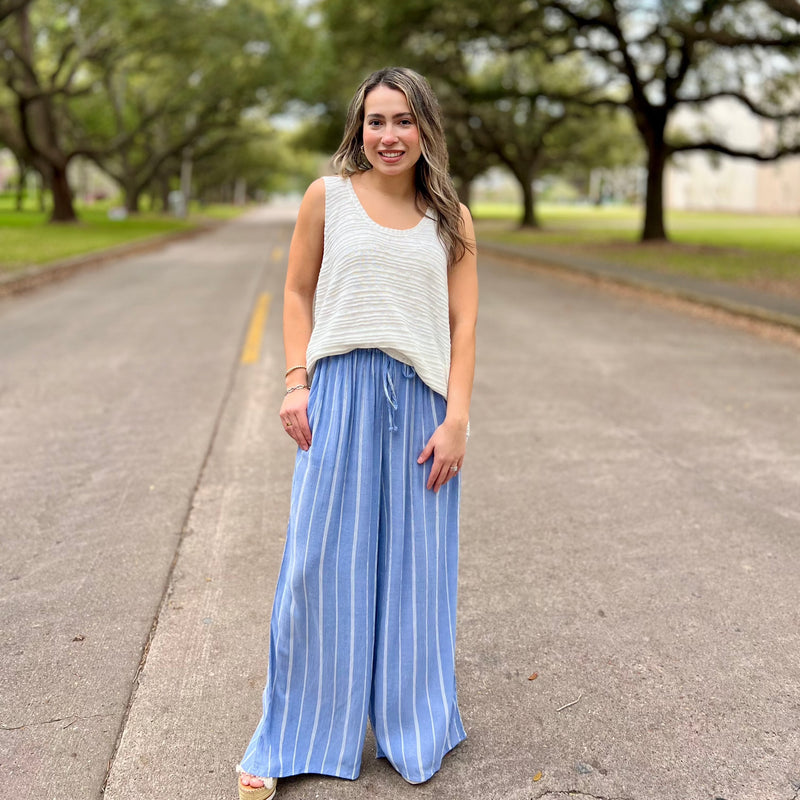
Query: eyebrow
(396, 116)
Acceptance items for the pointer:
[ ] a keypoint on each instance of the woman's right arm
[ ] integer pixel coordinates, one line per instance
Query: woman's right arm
(305, 259)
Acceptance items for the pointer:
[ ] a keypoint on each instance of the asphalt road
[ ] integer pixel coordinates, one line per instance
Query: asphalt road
(630, 534)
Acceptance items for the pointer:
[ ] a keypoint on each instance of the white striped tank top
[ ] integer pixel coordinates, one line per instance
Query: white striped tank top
(381, 287)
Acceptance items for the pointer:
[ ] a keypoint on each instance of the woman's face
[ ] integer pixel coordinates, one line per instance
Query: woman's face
(391, 136)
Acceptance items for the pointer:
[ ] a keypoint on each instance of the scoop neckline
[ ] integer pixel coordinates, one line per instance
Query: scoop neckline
(363, 211)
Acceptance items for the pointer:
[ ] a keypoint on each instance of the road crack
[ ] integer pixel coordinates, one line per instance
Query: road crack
(71, 719)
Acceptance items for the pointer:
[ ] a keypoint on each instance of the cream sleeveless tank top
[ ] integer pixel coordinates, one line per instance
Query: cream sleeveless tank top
(381, 287)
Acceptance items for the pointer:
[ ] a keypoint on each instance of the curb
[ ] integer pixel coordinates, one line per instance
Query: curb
(753, 312)
(34, 277)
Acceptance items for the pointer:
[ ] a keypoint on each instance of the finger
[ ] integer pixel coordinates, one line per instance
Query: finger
(448, 473)
(444, 476)
(294, 431)
(302, 430)
(432, 480)
(426, 452)
(436, 477)
(296, 425)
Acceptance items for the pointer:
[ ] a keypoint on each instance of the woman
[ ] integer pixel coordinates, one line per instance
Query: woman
(380, 307)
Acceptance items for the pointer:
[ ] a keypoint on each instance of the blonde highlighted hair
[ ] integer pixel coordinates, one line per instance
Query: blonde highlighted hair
(434, 187)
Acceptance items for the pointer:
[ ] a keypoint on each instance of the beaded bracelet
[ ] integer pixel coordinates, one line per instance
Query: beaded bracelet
(295, 388)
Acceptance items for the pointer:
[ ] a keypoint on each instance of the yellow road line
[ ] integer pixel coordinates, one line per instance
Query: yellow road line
(252, 344)
(277, 253)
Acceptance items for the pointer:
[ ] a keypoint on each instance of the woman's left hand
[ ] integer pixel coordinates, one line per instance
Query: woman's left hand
(448, 446)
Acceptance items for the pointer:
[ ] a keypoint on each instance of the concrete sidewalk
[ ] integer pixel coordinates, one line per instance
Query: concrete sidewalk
(731, 297)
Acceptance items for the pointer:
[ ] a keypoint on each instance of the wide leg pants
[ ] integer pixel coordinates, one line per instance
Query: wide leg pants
(364, 619)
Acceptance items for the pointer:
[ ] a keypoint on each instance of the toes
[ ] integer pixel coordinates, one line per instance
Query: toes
(249, 780)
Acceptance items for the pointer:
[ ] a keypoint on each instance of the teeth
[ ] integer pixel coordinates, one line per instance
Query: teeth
(392, 153)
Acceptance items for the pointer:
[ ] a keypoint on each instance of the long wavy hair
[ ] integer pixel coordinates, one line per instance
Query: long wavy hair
(432, 180)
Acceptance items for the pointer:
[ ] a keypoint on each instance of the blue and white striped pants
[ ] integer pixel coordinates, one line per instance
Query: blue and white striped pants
(364, 619)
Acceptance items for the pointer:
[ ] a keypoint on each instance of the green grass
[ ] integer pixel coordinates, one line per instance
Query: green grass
(27, 239)
(736, 247)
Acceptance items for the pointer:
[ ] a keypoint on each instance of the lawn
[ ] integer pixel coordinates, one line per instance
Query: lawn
(27, 239)
(762, 250)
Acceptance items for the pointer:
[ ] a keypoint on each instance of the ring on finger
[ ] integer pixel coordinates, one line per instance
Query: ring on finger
(288, 424)
(454, 468)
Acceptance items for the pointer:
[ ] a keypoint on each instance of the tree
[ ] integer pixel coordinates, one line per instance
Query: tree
(263, 162)
(180, 88)
(138, 90)
(523, 109)
(666, 54)
(42, 67)
(501, 104)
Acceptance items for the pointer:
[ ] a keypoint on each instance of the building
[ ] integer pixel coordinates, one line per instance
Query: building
(702, 181)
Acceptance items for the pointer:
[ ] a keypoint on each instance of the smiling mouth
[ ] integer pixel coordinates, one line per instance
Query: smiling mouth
(391, 153)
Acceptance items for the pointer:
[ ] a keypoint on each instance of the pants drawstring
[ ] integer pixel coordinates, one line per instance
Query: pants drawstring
(391, 394)
(391, 398)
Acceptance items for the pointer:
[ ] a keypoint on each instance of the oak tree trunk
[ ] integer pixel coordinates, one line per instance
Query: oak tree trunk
(63, 210)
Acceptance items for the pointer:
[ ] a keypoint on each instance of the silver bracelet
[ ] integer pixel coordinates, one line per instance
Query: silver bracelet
(295, 388)
(292, 369)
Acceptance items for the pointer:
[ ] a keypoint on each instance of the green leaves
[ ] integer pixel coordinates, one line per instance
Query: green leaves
(132, 83)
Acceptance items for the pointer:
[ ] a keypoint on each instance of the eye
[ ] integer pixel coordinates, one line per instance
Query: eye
(373, 123)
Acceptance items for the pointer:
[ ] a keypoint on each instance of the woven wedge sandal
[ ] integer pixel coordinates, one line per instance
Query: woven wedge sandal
(265, 792)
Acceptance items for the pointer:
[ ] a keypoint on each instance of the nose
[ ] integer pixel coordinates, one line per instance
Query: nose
(389, 136)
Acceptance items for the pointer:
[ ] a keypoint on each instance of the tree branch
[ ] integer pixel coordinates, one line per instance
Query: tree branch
(604, 20)
(639, 95)
(9, 7)
(744, 100)
(672, 83)
(62, 60)
(716, 147)
(20, 60)
(788, 8)
(725, 38)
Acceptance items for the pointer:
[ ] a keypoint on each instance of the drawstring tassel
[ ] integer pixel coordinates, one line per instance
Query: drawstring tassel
(391, 399)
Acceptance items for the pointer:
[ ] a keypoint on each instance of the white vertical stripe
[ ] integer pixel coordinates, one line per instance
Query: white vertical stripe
(428, 581)
(442, 555)
(401, 547)
(414, 629)
(291, 626)
(353, 567)
(446, 553)
(372, 543)
(327, 441)
(387, 579)
(334, 482)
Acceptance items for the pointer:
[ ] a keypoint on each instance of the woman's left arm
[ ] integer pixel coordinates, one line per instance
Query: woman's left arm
(448, 444)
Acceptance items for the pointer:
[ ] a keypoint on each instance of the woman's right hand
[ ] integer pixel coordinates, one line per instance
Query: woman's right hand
(294, 415)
